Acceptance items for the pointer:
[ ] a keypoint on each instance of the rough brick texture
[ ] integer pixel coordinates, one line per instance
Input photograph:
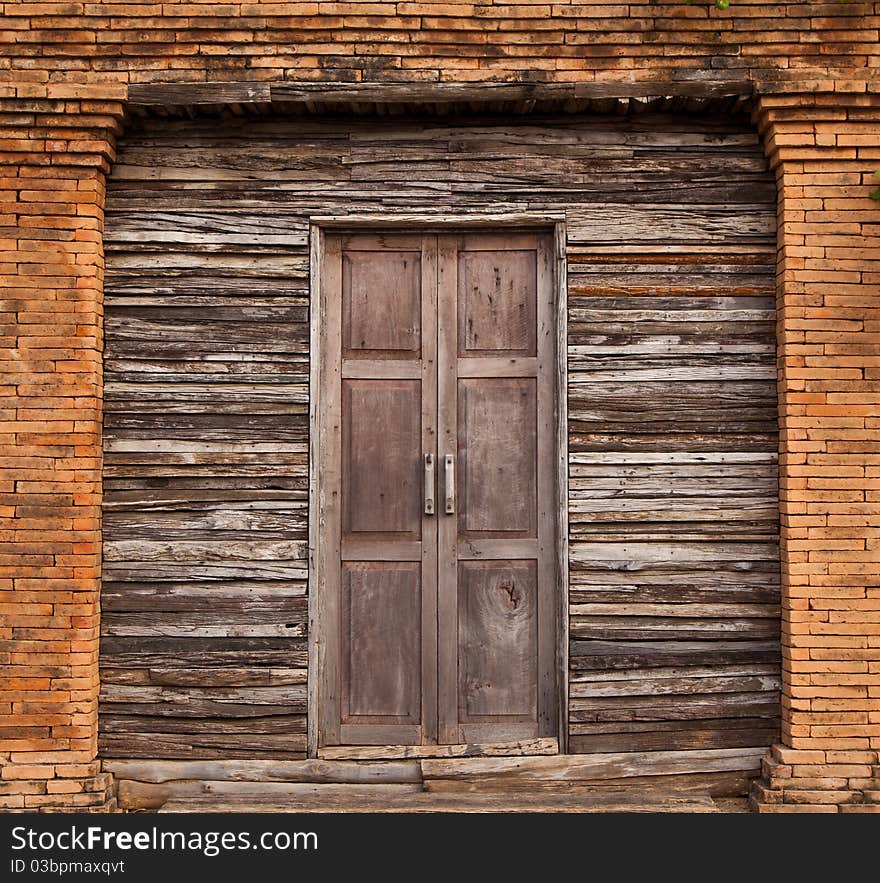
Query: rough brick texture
(50, 472)
(829, 366)
(65, 71)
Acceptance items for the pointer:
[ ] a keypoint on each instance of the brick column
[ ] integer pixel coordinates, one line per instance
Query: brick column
(53, 158)
(824, 149)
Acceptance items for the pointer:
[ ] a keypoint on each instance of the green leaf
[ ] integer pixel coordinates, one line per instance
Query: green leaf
(722, 4)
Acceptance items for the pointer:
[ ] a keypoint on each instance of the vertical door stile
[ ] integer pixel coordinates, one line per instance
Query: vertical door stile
(331, 484)
(447, 440)
(429, 521)
(547, 497)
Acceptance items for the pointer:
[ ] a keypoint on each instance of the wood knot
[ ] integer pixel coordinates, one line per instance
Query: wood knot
(509, 588)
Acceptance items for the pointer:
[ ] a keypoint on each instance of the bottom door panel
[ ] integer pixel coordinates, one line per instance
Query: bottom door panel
(381, 652)
(498, 642)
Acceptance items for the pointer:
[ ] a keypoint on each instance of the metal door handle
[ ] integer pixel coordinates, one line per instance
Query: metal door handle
(429, 484)
(450, 484)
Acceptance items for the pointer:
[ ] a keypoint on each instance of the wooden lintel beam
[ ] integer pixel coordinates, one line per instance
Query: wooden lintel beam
(185, 94)
(192, 94)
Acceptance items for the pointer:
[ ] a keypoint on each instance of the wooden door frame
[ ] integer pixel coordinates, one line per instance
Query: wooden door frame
(319, 378)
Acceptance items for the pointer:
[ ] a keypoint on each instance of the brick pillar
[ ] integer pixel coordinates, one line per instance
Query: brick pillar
(824, 148)
(53, 158)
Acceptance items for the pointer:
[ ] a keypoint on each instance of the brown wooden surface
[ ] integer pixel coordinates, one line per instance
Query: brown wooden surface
(517, 748)
(498, 627)
(381, 454)
(497, 441)
(498, 639)
(671, 413)
(493, 648)
(382, 653)
(382, 621)
(691, 86)
(394, 799)
(598, 780)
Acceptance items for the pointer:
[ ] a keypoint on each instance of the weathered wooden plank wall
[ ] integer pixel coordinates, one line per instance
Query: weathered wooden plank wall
(672, 402)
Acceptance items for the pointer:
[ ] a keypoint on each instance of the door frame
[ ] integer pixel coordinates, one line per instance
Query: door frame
(320, 378)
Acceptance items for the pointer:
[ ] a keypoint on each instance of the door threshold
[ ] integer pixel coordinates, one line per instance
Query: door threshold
(520, 748)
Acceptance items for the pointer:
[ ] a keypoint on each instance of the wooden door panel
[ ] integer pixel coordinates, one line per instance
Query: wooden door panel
(497, 450)
(496, 588)
(381, 655)
(441, 623)
(496, 302)
(381, 304)
(381, 443)
(378, 564)
(498, 641)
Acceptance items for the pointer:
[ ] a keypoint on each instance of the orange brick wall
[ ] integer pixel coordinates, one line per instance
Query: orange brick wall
(55, 47)
(51, 197)
(829, 333)
(65, 70)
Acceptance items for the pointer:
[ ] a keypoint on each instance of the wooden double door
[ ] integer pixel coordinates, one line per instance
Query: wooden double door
(438, 499)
